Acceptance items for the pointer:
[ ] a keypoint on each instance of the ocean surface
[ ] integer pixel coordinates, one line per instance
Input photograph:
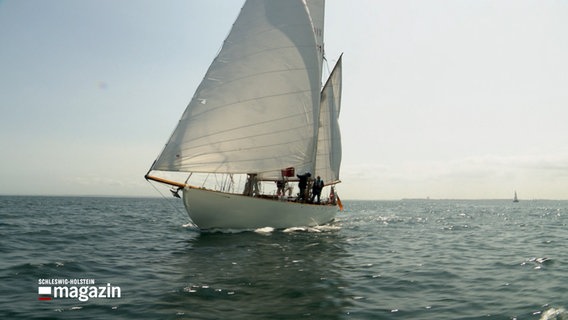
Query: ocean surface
(408, 259)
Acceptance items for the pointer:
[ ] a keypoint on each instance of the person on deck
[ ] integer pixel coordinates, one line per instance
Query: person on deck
(316, 189)
(251, 186)
(281, 188)
(303, 184)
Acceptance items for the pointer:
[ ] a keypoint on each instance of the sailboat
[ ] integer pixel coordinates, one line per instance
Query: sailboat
(260, 120)
(515, 199)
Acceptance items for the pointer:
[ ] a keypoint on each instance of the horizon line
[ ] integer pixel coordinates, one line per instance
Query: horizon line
(345, 199)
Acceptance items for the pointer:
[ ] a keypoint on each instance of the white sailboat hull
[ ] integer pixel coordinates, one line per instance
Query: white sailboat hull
(216, 210)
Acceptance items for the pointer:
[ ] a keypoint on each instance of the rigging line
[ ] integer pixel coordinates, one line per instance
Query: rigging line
(193, 225)
(205, 180)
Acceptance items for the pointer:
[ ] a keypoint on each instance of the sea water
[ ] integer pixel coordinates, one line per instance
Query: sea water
(408, 259)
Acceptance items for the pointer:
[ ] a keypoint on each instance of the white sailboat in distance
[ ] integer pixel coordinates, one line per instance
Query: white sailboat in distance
(257, 122)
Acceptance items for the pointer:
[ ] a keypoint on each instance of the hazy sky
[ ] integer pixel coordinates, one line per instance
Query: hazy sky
(442, 98)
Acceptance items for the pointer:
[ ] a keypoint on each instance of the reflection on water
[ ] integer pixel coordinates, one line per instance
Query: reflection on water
(284, 275)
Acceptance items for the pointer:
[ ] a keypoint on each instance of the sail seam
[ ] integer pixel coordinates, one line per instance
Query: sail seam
(259, 98)
(211, 135)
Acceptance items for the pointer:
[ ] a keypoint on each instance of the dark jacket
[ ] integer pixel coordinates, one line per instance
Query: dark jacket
(303, 179)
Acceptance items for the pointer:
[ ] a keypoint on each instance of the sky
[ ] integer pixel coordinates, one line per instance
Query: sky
(451, 99)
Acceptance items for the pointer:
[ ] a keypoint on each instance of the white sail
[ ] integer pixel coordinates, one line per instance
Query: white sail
(257, 108)
(316, 10)
(328, 159)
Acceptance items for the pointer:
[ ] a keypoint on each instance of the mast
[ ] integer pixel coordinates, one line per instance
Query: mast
(316, 11)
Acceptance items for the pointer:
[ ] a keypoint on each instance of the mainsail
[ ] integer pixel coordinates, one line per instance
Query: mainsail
(257, 109)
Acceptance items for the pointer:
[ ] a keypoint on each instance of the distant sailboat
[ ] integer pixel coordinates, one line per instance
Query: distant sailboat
(260, 115)
(515, 199)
